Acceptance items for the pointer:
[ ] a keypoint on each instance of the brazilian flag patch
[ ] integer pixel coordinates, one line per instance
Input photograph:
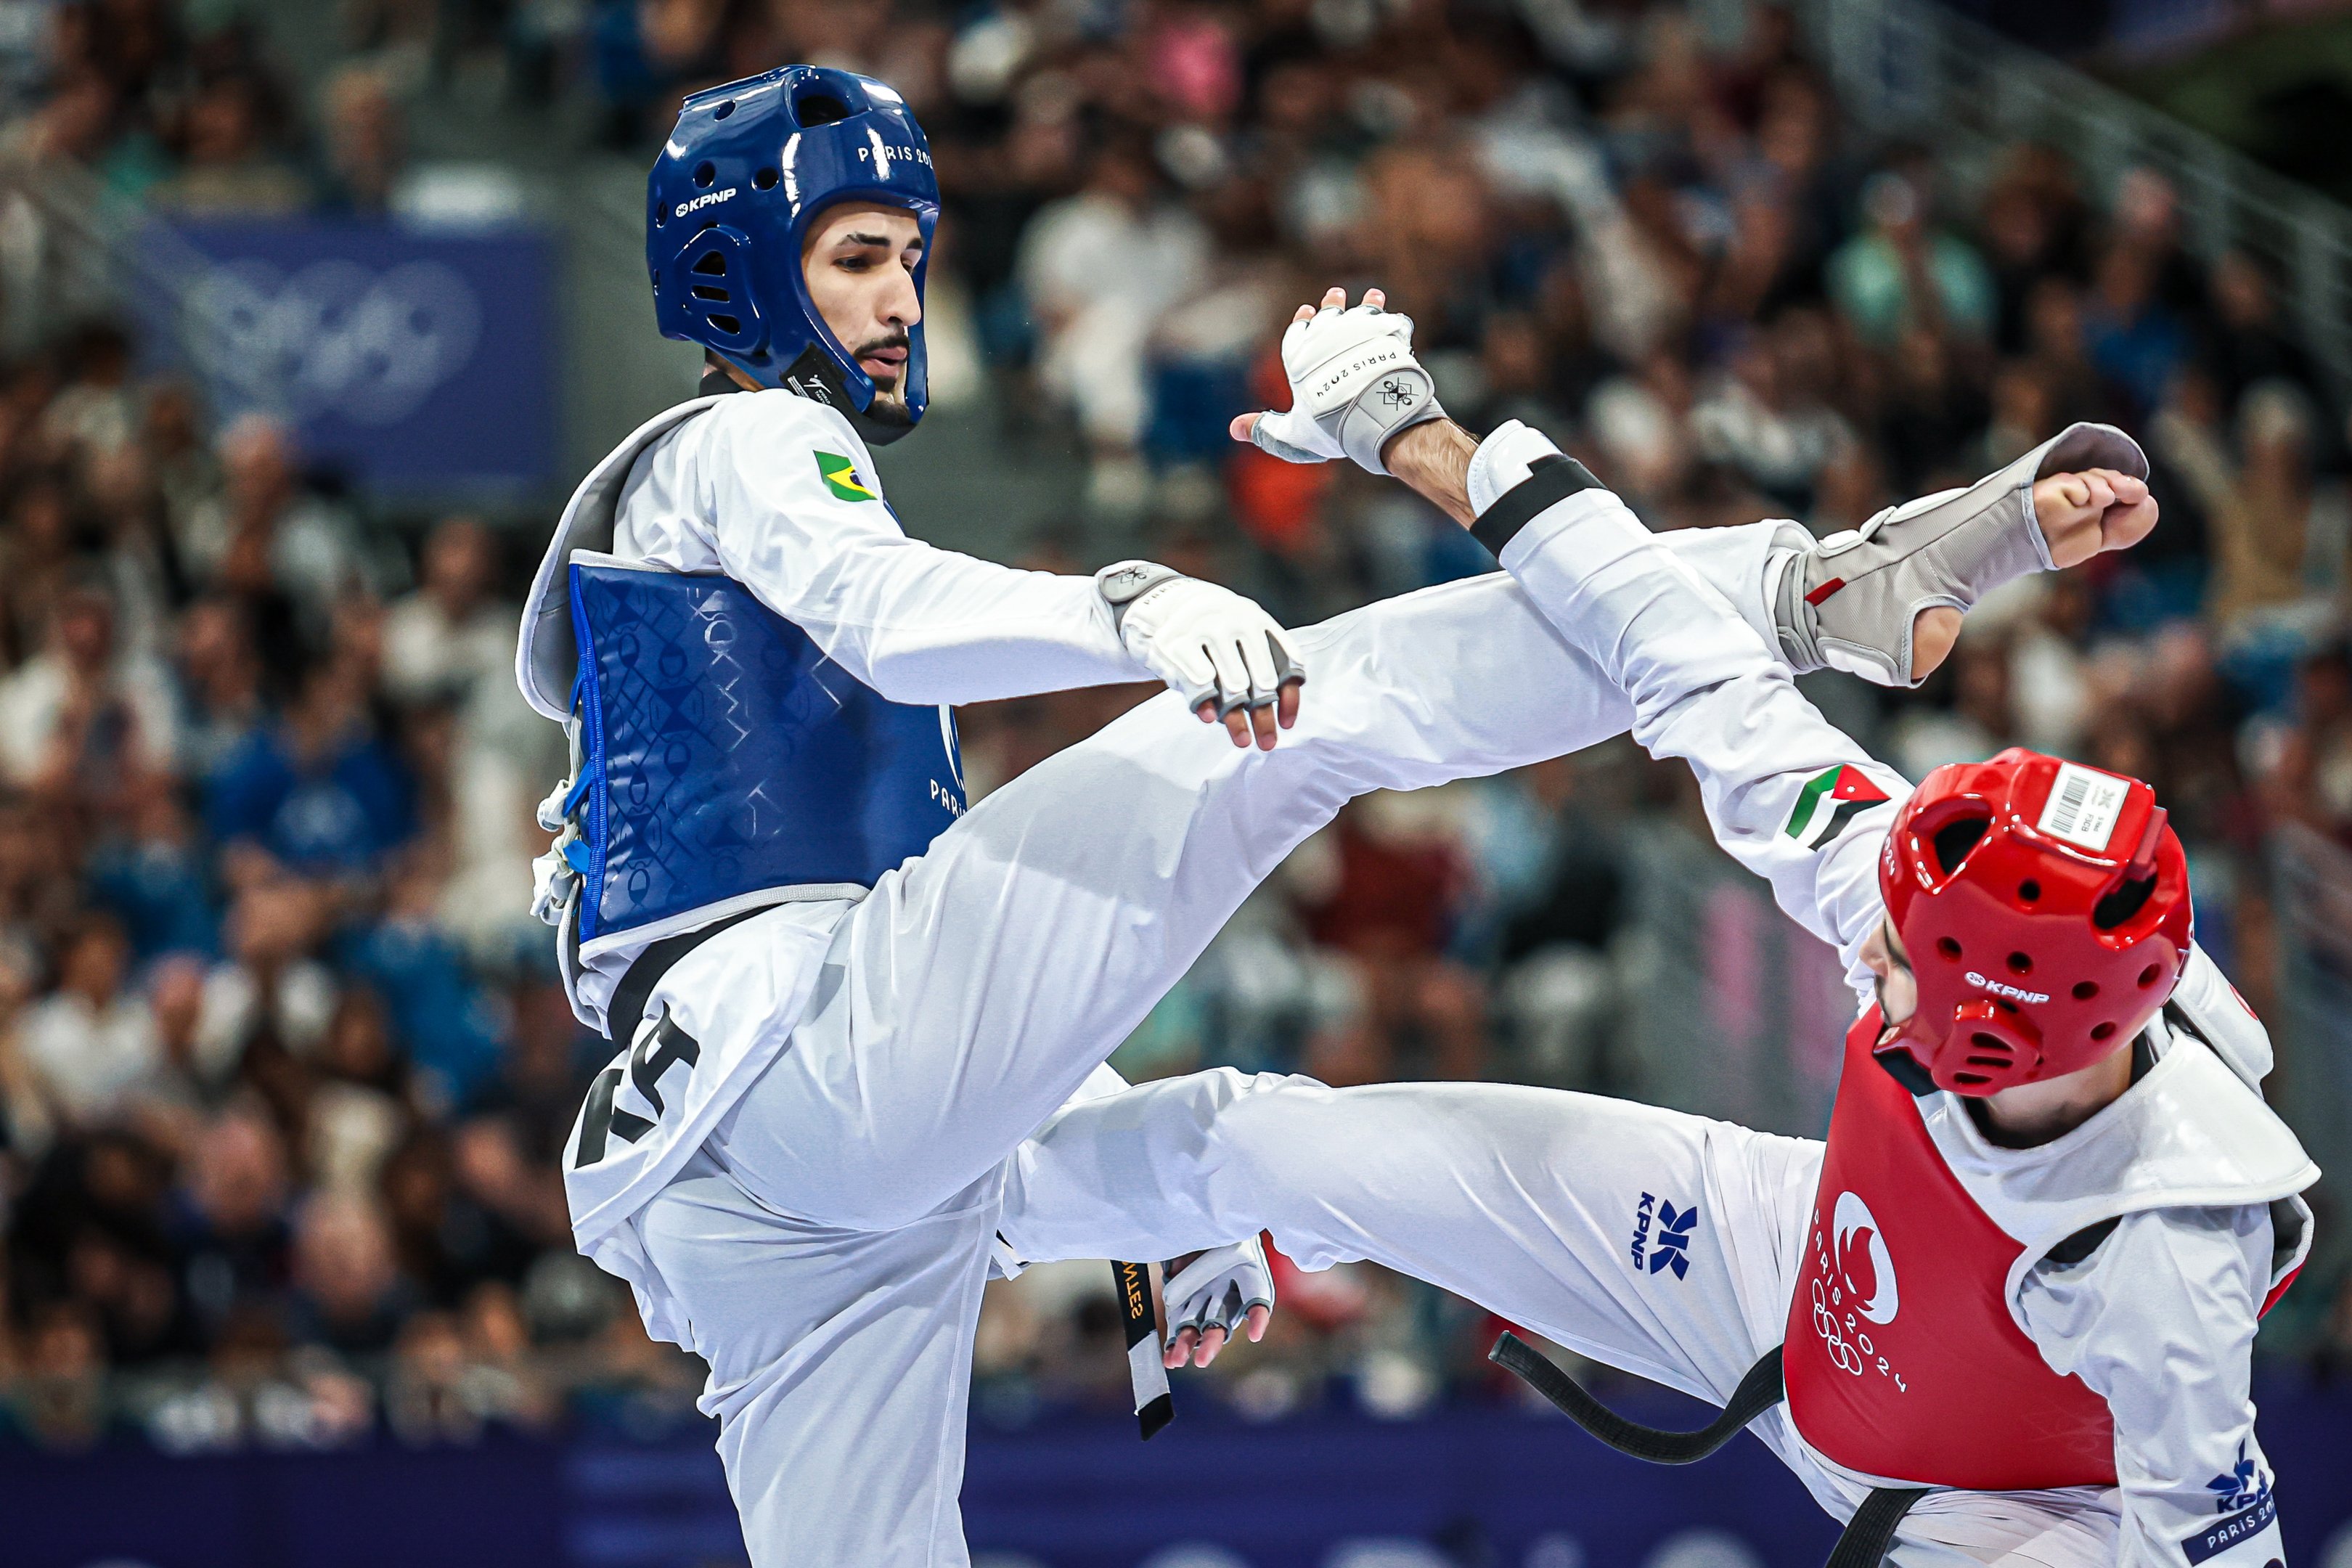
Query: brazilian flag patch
(1828, 803)
(840, 477)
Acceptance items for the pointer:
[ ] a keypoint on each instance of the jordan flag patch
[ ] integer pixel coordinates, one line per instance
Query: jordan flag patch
(841, 478)
(1828, 803)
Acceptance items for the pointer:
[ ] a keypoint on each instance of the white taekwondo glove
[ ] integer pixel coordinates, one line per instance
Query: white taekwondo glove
(1353, 384)
(1217, 1289)
(1208, 643)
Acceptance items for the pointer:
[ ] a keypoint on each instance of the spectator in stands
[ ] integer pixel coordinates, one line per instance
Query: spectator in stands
(269, 542)
(229, 1223)
(2281, 532)
(91, 1043)
(366, 140)
(319, 789)
(2310, 779)
(229, 139)
(80, 723)
(1100, 268)
(1901, 272)
(454, 630)
(349, 1295)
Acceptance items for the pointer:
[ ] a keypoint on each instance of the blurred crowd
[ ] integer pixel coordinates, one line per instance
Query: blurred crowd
(284, 1071)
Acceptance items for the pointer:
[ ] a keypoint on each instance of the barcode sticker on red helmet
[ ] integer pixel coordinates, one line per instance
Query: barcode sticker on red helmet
(2083, 806)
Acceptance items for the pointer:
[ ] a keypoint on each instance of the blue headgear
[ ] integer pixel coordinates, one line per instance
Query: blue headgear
(747, 168)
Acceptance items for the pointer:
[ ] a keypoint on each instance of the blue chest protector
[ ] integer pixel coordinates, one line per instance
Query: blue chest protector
(723, 756)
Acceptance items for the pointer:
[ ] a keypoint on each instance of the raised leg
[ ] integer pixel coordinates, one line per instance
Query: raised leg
(978, 984)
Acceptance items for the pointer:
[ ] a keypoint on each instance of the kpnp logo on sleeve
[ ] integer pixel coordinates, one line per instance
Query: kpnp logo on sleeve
(1828, 803)
(840, 476)
(1668, 1247)
(2248, 1510)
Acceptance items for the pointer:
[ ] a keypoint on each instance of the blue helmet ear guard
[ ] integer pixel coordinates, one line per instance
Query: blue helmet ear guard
(748, 169)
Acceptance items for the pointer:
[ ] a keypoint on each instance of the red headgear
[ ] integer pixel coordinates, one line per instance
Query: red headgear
(2044, 906)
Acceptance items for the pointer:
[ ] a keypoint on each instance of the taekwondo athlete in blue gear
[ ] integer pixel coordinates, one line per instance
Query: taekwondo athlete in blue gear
(842, 1001)
(755, 668)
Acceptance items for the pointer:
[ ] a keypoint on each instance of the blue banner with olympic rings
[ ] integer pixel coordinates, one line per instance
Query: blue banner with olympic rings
(411, 361)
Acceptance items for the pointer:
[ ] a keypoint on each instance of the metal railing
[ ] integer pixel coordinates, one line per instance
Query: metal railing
(1910, 68)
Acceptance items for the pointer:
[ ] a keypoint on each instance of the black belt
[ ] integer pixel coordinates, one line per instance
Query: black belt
(1867, 1535)
(645, 972)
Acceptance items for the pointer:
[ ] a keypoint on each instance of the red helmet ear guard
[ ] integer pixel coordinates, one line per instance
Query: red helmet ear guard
(2044, 907)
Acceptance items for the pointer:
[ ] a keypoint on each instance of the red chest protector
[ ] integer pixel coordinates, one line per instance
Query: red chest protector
(1902, 1358)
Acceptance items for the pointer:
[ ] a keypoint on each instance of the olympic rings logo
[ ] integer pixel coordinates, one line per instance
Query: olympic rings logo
(1843, 1355)
(335, 337)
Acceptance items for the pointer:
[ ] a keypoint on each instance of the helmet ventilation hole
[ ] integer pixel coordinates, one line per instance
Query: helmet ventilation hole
(723, 111)
(2103, 1032)
(716, 296)
(705, 174)
(2085, 989)
(661, 216)
(2029, 890)
(765, 179)
(818, 108)
(2148, 976)
(711, 265)
(726, 324)
(1970, 1079)
(1953, 841)
(2021, 963)
(1949, 948)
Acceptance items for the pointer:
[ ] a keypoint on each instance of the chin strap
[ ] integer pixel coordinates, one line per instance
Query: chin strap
(1867, 1535)
(817, 377)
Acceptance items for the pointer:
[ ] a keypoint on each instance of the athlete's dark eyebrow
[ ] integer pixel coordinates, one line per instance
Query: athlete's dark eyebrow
(878, 239)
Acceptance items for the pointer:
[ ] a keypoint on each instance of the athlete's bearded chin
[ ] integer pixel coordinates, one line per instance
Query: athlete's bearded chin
(889, 404)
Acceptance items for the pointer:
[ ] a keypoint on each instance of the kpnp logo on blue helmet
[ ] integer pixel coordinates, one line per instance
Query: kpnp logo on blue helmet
(748, 167)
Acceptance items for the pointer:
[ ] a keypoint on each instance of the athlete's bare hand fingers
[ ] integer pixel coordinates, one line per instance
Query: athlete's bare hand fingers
(1179, 1350)
(1262, 722)
(1376, 300)
(1211, 1340)
(1286, 703)
(1238, 725)
(1335, 298)
(1207, 712)
(1245, 423)
(1259, 1317)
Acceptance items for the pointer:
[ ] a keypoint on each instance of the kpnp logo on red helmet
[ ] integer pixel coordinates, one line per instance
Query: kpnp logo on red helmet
(2044, 907)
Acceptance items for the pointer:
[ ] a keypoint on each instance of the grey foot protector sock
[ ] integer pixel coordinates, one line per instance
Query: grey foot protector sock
(1847, 603)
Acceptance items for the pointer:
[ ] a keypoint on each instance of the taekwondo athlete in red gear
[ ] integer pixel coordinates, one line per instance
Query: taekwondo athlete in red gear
(2052, 1205)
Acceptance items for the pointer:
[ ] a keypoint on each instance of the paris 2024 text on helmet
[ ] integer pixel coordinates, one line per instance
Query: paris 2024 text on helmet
(746, 169)
(2045, 908)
